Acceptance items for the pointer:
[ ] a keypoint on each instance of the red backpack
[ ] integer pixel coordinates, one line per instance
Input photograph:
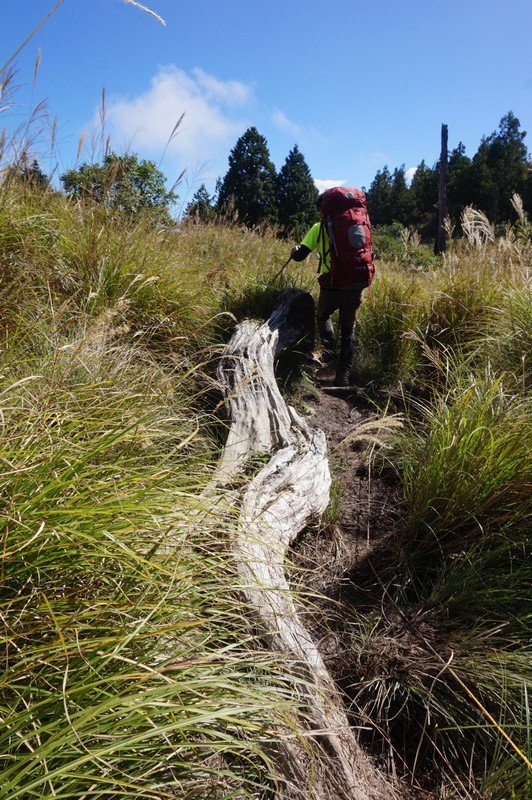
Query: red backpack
(345, 217)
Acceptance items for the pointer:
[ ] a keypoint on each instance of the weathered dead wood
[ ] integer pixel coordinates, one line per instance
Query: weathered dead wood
(440, 243)
(289, 491)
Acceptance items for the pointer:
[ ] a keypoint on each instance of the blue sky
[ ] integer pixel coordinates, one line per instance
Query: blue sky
(356, 85)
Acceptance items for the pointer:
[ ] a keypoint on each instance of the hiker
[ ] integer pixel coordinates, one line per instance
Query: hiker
(345, 270)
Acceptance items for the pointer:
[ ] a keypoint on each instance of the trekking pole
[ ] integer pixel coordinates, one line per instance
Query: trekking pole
(282, 269)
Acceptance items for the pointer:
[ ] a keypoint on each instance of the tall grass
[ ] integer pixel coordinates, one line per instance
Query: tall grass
(385, 352)
(128, 666)
(466, 468)
(442, 674)
(475, 302)
(177, 281)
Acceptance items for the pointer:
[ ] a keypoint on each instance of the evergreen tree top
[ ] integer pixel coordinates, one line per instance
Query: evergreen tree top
(250, 181)
(296, 194)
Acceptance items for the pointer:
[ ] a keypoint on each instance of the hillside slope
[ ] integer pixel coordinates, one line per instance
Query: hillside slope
(130, 666)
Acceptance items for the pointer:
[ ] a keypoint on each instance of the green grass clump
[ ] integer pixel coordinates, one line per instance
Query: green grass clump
(179, 282)
(466, 474)
(128, 667)
(386, 351)
(509, 341)
(470, 302)
(444, 671)
(466, 468)
(441, 667)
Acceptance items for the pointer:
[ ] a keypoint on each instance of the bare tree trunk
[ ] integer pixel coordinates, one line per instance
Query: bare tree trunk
(288, 492)
(441, 237)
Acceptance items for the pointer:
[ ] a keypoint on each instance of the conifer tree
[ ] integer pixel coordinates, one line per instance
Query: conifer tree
(296, 194)
(506, 157)
(460, 189)
(27, 171)
(527, 192)
(201, 207)
(399, 196)
(378, 198)
(424, 195)
(250, 181)
(482, 188)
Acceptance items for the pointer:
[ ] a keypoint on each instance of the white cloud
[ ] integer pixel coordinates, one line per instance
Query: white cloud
(322, 186)
(281, 121)
(209, 127)
(409, 174)
(232, 93)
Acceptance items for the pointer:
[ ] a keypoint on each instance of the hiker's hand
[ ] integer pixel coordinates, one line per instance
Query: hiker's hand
(300, 252)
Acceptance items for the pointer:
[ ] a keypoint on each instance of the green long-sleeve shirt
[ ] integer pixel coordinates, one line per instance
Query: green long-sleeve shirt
(317, 239)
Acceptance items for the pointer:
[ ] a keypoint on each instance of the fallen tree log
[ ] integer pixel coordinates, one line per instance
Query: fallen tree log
(288, 492)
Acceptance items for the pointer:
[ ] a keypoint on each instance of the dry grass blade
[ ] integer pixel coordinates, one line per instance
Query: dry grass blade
(31, 35)
(376, 431)
(53, 134)
(37, 66)
(6, 89)
(477, 227)
(146, 9)
(170, 139)
(517, 203)
(449, 227)
(175, 128)
(415, 240)
(81, 145)
(178, 180)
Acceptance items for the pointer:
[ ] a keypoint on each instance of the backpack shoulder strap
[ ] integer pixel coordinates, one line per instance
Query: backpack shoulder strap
(326, 250)
(321, 237)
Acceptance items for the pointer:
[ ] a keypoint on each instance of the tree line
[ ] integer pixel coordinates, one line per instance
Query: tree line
(253, 192)
(487, 181)
(251, 187)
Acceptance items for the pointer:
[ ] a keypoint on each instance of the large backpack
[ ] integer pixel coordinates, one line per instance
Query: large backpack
(345, 217)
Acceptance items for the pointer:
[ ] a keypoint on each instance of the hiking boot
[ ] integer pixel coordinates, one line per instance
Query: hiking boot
(343, 370)
(341, 379)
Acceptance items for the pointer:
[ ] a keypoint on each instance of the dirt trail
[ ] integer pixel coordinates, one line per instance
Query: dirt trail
(341, 560)
(364, 508)
(285, 496)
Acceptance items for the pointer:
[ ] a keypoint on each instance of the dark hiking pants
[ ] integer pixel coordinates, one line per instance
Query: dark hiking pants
(346, 302)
